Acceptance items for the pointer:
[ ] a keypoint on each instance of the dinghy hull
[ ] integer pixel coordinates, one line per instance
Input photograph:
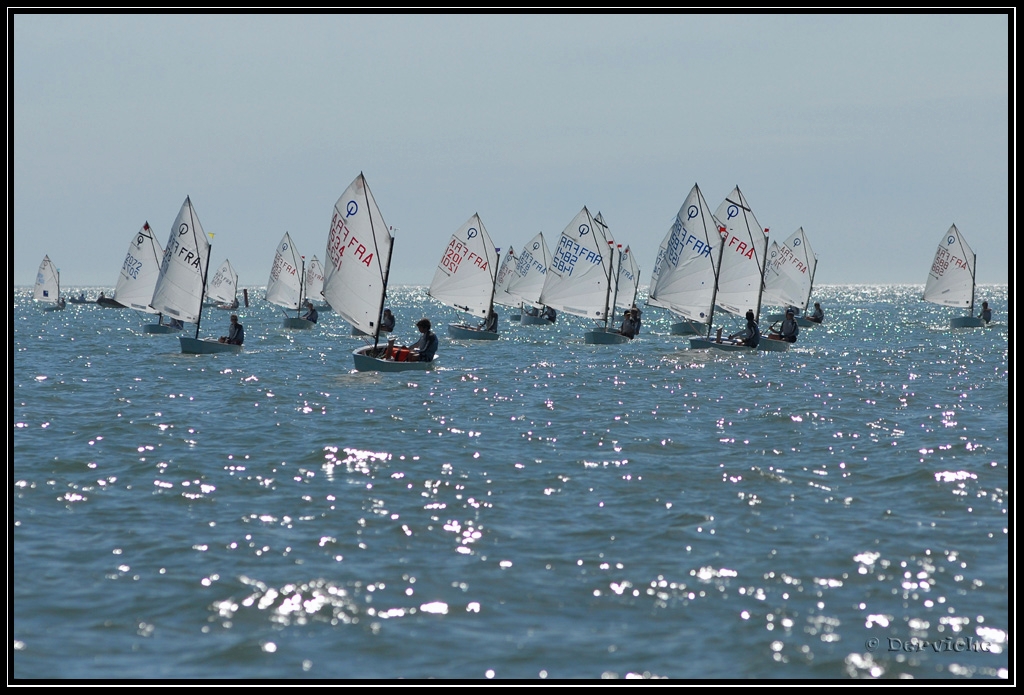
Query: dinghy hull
(192, 346)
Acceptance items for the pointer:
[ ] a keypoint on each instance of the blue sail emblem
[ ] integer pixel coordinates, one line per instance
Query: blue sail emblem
(691, 212)
(732, 211)
(471, 232)
(797, 242)
(584, 230)
(352, 208)
(951, 239)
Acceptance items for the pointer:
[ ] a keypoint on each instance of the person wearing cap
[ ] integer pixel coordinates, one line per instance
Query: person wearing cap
(751, 335)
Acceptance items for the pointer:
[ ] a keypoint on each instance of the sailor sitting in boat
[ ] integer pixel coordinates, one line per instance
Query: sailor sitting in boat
(311, 313)
(423, 351)
(817, 315)
(236, 334)
(749, 336)
(549, 314)
(387, 321)
(789, 331)
(630, 323)
(490, 324)
(986, 313)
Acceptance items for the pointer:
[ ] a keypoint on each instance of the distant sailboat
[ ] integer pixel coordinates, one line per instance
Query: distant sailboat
(530, 273)
(223, 288)
(139, 274)
(314, 285)
(789, 277)
(182, 283)
(685, 270)
(47, 287)
(502, 281)
(951, 280)
(465, 279)
(284, 288)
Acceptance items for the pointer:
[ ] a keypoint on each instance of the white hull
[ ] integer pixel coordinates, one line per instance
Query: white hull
(528, 320)
(687, 328)
(192, 346)
(967, 322)
(159, 328)
(365, 362)
(604, 336)
(463, 332)
(297, 323)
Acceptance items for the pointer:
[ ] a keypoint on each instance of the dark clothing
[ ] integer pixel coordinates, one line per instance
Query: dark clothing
(427, 347)
(549, 314)
(490, 324)
(531, 311)
(236, 334)
(817, 315)
(628, 327)
(986, 315)
(790, 330)
(751, 336)
(387, 322)
(311, 315)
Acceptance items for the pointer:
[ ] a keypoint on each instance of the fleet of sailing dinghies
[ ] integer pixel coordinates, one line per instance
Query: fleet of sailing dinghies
(789, 277)
(465, 279)
(686, 268)
(285, 286)
(356, 273)
(47, 287)
(951, 280)
(181, 286)
(740, 272)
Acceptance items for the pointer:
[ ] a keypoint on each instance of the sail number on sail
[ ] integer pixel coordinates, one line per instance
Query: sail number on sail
(677, 244)
(342, 239)
(186, 254)
(527, 261)
(734, 243)
(944, 259)
(132, 266)
(281, 265)
(568, 252)
(456, 252)
(787, 257)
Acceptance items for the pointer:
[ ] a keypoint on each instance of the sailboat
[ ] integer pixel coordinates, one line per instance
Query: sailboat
(284, 288)
(313, 288)
(684, 277)
(503, 280)
(182, 283)
(223, 288)
(356, 273)
(531, 272)
(789, 276)
(607, 334)
(47, 288)
(741, 266)
(137, 280)
(951, 280)
(465, 278)
(628, 283)
(579, 279)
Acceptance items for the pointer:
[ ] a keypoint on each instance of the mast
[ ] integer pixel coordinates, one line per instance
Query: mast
(611, 307)
(763, 265)
(716, 267)
(302, 284)
(494, 282)
(206, 269)
(974, 263)
(810, 291)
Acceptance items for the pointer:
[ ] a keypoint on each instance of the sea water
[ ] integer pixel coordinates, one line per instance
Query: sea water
(531, 508)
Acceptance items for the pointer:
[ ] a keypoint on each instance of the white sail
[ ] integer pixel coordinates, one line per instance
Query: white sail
(683, 280)
(790, 272)
(223, 287)
(578, 277)
(465, 275)
(179, 289)
(506, 274)
(531, 271)
(314, 280)
(744, 249)
(358, 257)
(47, 288)
(951, 278)
(284, 288)
(629, 280)
(140, 271)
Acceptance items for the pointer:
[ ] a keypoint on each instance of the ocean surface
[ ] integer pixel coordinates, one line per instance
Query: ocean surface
(532, 508)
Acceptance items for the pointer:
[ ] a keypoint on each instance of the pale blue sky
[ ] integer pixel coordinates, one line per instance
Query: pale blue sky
(874, 133)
